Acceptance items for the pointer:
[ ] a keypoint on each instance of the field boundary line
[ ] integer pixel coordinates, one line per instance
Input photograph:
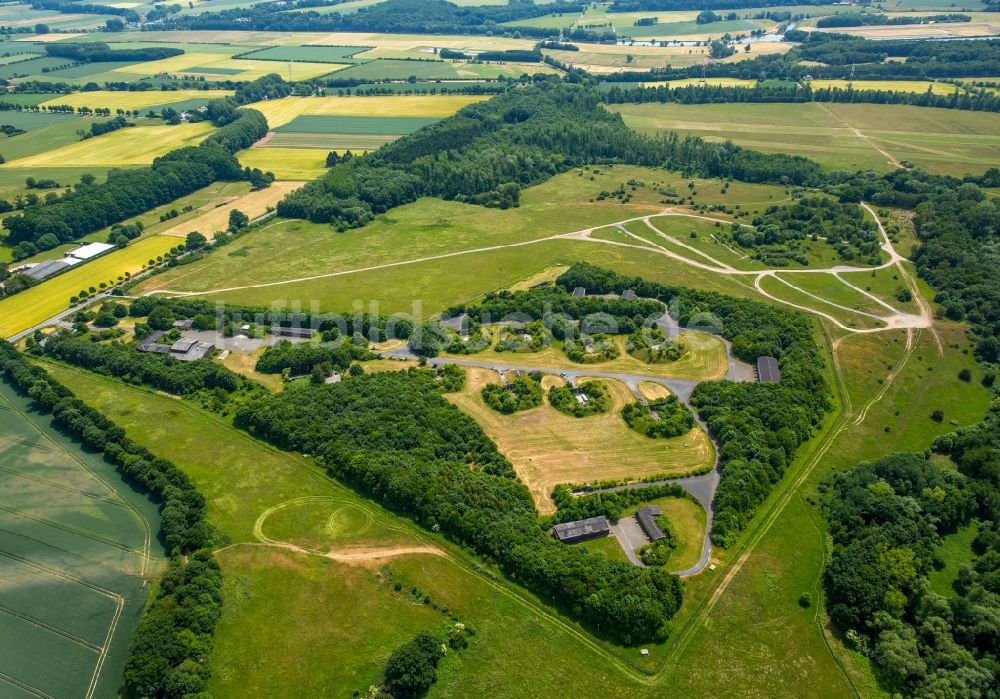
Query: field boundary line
(26, 687)
(49, 627)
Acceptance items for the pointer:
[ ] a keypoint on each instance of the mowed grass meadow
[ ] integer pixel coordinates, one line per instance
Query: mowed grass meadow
(549, 448)
(839, 136)
(285, 254)
(51, 297)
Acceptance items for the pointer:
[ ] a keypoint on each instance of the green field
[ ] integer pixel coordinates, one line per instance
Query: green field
(293, 250)
(839, 136)
(314, 54)
(390, 69)
(28, 121)
(74, 541)
(28, 98)
(394, 126)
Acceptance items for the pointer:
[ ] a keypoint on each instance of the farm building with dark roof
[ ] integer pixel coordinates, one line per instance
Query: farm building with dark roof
(647, 520)
(581, 530)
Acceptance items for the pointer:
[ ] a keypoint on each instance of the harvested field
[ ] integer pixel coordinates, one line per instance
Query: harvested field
(548, 448)
(216, 218)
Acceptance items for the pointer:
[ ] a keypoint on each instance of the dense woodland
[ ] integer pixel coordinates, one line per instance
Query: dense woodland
(758, 426)
(887, 519)
(168, 655)
(395, 438)
(393, 16)
(98, 51)
(487, 152)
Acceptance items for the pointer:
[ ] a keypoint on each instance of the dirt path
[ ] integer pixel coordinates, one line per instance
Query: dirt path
(889, 157)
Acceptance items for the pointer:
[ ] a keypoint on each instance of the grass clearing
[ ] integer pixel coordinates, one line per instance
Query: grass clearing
(954, 551)
(548, 448)
(920, 86)
(132, 146)
(688, 521)
(41, 302)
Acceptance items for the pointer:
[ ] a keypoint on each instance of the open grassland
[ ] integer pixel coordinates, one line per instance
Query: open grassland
(131, 146)
(704, 358)
(75, 540)
(282, 111)
(41, 302)
(882, 283)
(708, 240)
(122, 99)
(839, 136)
(786, 291)
(548, 447)
(253, 204)
(291, 261)
(294, 164)
(831, 288)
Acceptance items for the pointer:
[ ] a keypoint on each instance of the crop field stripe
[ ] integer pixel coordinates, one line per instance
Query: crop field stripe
(367, 125)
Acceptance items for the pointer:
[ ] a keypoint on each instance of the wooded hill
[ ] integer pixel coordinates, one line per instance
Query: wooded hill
(486, 153)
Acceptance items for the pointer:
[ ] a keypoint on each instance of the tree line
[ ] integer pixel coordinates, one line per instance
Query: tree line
(758, 426)
(168, 654)
(394, 437)
(209, 315)
(872, 19)
(963, 97)
(92, 206)
(487, 152)
(99, 52)
(841, 56)
(391, 16)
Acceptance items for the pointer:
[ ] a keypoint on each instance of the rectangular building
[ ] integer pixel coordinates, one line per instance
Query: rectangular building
(767, 370)
(581, 530)
(281, 331)
(647, 521)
